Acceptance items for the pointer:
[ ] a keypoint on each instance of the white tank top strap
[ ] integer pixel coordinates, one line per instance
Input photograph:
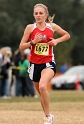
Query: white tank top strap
(49, 26)
(34, 26)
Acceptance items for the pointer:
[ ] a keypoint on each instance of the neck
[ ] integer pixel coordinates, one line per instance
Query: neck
(41, 26)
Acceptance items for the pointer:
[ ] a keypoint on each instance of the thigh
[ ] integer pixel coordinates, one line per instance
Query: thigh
(46, 75)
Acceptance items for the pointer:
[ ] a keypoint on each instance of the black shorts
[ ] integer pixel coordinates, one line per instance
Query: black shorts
(35, 70)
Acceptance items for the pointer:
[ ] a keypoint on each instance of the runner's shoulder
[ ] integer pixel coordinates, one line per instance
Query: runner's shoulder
(30, 27)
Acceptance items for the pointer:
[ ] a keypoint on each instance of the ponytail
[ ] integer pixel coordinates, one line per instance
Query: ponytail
(50, 18)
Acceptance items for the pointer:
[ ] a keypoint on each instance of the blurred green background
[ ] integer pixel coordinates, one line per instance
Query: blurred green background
(69, 14)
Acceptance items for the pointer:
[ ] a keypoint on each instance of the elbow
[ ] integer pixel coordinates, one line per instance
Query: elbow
(69, 36)
(20, 47)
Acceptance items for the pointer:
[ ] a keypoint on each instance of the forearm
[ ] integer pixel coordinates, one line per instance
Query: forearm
(24, 46)
(63, 38)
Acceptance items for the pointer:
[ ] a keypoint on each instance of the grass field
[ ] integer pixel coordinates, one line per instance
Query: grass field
(66, 106)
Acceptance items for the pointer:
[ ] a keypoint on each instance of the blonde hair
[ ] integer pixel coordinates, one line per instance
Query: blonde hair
(49, 18)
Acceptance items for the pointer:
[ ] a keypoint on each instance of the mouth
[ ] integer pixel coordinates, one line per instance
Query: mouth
(38, 19)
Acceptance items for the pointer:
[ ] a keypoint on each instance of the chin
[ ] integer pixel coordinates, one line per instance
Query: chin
(39, 21)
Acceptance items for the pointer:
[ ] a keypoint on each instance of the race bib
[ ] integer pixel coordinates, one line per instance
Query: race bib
(42, 49)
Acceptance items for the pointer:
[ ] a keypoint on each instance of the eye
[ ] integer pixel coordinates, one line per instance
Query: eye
(40, 13)
(36, 13)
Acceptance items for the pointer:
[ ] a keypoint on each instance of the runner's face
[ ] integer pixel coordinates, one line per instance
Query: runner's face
(40, 14)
